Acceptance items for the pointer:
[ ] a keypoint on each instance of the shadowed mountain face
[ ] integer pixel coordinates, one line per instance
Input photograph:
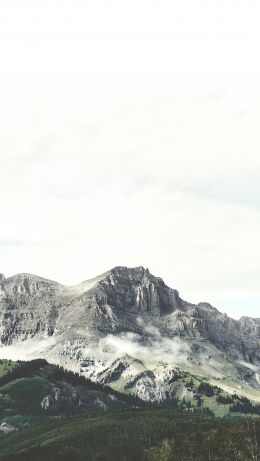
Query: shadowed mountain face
(121, 326)
(112, 302)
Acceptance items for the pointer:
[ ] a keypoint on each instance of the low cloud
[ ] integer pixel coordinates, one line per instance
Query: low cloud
(153, 349)
(27, 350)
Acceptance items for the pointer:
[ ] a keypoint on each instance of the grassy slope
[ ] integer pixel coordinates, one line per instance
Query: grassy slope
(133, 435)
(6, 365)
(119, 432)
(24, 385)
(129, 434)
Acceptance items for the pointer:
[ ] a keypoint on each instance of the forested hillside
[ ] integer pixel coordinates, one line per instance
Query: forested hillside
(35, 391)
(135, 435)
(49, 413)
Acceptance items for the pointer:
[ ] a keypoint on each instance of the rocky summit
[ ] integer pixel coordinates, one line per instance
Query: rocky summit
(126, 328)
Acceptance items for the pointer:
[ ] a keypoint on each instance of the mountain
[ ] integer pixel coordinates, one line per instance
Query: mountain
(48, 412)
(36, 391)
(126, 328)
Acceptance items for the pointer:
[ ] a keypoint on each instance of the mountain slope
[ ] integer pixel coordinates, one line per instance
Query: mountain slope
(134, 435)
(128, 329)
(35, 391)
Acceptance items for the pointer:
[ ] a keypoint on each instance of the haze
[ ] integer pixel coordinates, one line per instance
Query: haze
(130, 136)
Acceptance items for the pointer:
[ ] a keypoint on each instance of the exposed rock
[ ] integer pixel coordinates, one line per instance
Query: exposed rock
(93, 326)
(6, 428)
(66, 396)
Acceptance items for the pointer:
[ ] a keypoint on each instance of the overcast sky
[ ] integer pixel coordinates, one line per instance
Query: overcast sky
(130, 135)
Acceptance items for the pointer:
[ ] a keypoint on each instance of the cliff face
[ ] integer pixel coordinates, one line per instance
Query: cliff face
(30, 305)
(120, 300)
(137, 291)
(124, 312)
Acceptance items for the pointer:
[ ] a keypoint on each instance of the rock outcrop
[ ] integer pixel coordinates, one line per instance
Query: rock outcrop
(125, 313)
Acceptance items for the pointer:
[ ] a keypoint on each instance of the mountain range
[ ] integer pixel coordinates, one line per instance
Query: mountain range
(128, 329)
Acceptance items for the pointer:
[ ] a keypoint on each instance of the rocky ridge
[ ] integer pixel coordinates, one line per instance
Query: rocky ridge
(128, 329)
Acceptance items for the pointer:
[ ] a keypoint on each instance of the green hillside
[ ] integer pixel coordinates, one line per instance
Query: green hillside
(49, 413)
(134, 435)
(6, 366)
(36, 391)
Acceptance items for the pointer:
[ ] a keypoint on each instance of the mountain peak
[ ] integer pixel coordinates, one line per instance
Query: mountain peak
(125, 271)
(124, 311)
(24, 276)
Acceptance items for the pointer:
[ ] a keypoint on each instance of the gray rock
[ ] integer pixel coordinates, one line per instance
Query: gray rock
(93, 326)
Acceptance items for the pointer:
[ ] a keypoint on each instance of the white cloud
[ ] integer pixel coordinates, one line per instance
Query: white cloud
(160, 349)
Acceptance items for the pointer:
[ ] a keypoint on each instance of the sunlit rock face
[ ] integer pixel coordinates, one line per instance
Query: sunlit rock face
(31, 305)
(126, 327)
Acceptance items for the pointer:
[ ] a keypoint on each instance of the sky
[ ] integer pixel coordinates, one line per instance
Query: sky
(129, 135)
